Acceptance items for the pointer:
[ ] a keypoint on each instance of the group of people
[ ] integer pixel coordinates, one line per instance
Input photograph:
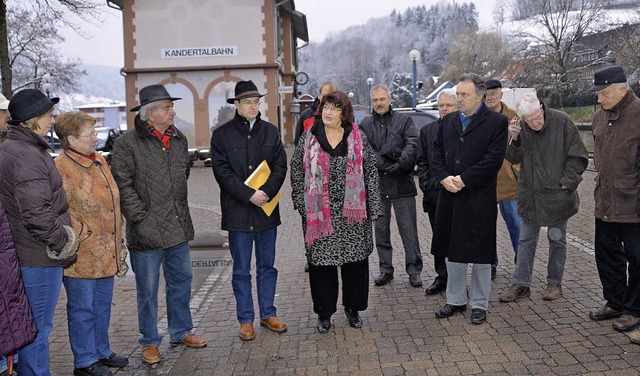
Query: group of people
(478, 157)
(61, 224)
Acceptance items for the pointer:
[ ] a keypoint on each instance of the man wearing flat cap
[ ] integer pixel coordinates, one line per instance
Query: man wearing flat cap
(507, 176)
(238, 147)
(616, 156)
(150, 165)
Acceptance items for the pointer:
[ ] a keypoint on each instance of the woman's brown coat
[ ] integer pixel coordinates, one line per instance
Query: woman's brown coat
(94, 206)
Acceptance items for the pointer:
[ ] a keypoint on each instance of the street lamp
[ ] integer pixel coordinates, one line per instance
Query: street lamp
(350, 95)
(414, 55)
(369, 82)
(47, 86)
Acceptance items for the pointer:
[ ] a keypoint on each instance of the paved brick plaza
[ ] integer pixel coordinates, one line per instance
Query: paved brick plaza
(400, 336)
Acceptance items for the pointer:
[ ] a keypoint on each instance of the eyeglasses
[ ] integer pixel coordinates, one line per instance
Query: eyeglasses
(250, 103)
(90, 135)
(328, 107)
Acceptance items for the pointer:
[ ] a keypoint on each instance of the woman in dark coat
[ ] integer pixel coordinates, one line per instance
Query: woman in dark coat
(36, 205)
(17, 327)
(335, 189)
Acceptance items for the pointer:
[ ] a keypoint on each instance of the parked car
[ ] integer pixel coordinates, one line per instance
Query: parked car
(420, 117)
(106, 137)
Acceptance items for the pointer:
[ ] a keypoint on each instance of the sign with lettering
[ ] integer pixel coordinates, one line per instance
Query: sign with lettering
(189, 52)
(285, 89)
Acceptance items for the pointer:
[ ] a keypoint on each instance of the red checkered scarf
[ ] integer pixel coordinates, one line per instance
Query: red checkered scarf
(316, 189)
(165, 138)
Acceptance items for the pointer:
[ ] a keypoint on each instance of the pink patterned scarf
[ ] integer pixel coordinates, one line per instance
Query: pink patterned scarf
(316, 187)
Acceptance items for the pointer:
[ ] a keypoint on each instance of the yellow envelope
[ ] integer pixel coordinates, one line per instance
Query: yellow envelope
(257, 180)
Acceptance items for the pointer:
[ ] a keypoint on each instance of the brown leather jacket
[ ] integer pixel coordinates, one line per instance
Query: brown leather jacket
(509, 172)
(616, 157)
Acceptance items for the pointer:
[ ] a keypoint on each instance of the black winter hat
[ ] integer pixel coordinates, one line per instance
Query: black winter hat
(607, 76)
(153, 93)
(245, 89)
(29, 103)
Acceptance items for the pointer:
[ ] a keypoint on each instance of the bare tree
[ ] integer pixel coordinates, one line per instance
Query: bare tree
(483, 53)
(38, 47)
(554, 30)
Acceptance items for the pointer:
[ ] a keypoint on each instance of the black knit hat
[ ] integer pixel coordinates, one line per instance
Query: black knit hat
(607, 76)
(153, 93)
(245, 89)
(29, 103)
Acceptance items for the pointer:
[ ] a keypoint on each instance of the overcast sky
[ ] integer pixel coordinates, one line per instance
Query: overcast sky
(323, 17)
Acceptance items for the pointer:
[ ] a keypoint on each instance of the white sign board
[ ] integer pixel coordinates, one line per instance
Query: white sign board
(190, 52)
(285, 89)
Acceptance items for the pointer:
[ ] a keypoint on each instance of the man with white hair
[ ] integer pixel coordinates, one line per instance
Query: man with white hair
(430, 187)
(4, 116)
(617, 199)
(553, 159)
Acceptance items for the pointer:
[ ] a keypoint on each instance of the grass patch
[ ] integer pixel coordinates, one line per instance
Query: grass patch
(581, 114)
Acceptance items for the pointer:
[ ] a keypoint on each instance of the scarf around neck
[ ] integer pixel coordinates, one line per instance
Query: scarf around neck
(316, 188)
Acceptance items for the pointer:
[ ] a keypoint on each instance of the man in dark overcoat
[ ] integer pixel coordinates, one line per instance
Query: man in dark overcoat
(468, 153)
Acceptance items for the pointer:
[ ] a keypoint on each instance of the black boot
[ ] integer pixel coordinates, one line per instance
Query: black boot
(354, 318)
(324, 324)
(95, 369)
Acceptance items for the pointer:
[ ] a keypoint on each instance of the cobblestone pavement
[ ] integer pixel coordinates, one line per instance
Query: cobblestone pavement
(400, 336)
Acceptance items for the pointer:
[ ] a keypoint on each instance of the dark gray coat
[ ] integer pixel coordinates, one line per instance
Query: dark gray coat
(466, 221)
(153, 188)
(553, 160)
(394, 139)
(33, 198)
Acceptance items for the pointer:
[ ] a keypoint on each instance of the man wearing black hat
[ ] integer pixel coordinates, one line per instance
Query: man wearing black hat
(238, 147)
(507, 176)
(617, 199)
(150, 165)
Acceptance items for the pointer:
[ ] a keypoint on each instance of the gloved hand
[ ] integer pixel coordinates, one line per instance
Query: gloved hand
(393, 169)
(69, 249)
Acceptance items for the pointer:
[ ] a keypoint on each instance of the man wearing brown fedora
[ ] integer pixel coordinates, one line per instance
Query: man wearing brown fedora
(238, 147)
(617, 199)
(150, 165)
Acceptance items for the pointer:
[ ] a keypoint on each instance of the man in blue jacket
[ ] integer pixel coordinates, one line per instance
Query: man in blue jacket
(237, 148)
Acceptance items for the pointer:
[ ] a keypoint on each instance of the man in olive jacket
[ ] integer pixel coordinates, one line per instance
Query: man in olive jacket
(237, 149)
(394, 139)
(150, 165)
(553, 159)
(617, 199)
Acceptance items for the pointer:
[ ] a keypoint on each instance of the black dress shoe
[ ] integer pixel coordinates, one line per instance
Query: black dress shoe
(95, 369)
(494, 272)
(114, 360)
(626, 323)
(478, 316)
(448, 310)
(354, 318)
(383, 279)
(324, 324)
(435, 288)
(306, 267)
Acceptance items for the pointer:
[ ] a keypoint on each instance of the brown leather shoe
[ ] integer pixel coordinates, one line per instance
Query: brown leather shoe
(626, 323)
(150, 354)
(246, 332)
(604, 313)
(191, 340)
(273, 324)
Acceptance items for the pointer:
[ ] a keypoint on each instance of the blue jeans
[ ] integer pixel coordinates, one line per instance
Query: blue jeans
(405, 212)
(42, 286)
(509, 212)
(241, 245)
(88, 317)
(557, 235)
(176, 268)
(457, 284)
